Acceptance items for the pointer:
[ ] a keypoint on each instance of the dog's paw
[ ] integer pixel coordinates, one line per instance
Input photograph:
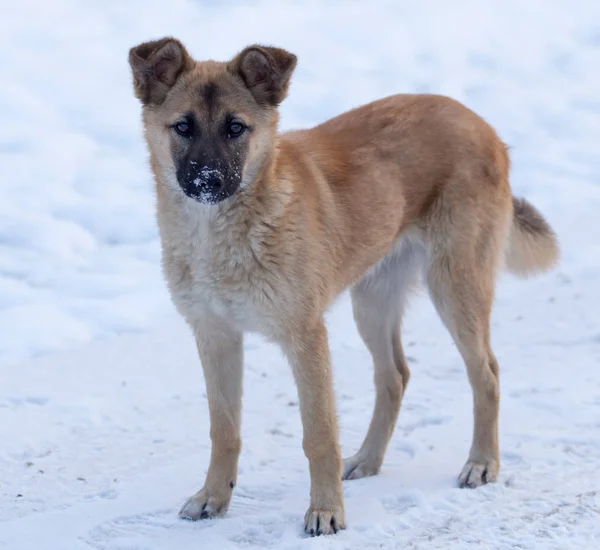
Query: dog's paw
(204, 505)
(477, 473)
(323, 522)
(358, 466)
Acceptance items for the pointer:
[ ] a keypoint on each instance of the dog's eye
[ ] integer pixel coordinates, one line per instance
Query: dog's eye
(183, 129)
(235, 129)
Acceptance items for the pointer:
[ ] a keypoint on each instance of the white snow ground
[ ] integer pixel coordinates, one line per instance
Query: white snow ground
(103, 420)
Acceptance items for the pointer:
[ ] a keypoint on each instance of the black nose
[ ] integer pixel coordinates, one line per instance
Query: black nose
(214, 183)
(207, 184)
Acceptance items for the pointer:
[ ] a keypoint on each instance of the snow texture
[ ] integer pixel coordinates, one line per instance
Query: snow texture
(103, 414)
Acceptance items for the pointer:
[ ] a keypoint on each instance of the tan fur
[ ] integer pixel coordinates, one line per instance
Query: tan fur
(406, 188)
(532, 246)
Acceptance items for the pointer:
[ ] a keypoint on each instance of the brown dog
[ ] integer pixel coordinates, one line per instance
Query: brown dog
(261, 231)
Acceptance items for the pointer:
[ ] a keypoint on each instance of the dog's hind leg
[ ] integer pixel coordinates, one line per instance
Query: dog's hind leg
(378, 301)
(464, 252)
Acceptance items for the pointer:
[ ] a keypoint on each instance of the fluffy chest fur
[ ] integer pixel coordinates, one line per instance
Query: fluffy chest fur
(218, 264)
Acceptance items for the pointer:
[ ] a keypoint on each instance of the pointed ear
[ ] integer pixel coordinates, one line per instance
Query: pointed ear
(156, 66)
(266, 72)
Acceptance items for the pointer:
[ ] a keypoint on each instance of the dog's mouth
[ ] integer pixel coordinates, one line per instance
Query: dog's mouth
(207, 196)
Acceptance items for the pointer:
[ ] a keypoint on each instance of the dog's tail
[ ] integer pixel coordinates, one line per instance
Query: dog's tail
(533, 246)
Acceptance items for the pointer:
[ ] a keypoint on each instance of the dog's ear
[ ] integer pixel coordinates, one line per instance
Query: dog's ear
(156, 66)
(266, 72)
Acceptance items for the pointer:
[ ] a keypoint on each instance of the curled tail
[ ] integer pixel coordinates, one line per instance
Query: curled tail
(533, 247)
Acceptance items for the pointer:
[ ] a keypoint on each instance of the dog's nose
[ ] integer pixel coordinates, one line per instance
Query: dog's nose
(207, 184)
(209, 180)
(214, 183)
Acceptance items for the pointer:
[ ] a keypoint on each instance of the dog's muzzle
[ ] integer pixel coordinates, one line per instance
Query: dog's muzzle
(208, 185)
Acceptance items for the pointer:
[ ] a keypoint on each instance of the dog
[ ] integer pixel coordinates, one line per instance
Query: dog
(260, 232)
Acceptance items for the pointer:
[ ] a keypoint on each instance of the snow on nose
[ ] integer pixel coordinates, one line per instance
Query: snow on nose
(209, 177)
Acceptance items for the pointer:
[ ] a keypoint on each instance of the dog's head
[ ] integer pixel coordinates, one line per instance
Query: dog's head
(209, 125)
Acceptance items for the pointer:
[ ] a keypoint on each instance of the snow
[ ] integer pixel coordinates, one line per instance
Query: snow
(103, 415)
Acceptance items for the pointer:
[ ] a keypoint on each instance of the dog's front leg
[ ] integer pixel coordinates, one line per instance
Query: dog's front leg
(221, 351)
(308, 352)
